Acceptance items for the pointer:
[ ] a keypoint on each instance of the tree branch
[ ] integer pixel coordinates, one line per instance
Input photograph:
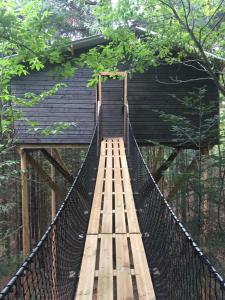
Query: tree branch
(198, 46)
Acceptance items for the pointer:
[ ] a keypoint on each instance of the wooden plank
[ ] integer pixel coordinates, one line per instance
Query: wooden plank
(121, 146)
(87, 273)
(115, 147)
(129, 199)
(143, 278)
(120, 224)
(115, 272)
(103, 147)
(107, 206)
(123, 271)
(105, 278)
(93, 226)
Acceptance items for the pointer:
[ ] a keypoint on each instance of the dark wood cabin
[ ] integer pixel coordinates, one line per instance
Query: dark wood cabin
(76, 103)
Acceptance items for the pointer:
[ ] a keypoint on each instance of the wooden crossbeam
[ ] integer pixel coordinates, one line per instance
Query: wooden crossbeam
(182, 178)
(113, 74)
(58, 167)
(44, 175)
(158, 174)
(55, 153)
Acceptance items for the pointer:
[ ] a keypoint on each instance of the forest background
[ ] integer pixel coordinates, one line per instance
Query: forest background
(35, 32)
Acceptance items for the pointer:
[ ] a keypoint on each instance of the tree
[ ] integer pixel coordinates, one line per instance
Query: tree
(73, 19)
(198, 126)
(174, 31)
(27, 42)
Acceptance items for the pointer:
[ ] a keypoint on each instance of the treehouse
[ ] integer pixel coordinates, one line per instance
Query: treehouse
(158, 89)
(115, 236)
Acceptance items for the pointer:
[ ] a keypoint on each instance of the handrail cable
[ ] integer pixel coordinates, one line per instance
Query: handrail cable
(179, 269)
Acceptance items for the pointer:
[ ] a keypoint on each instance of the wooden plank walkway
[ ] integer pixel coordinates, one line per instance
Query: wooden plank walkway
(114, 264)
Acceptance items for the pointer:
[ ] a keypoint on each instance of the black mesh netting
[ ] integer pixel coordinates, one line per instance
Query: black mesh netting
(178, 267)
(52, 269)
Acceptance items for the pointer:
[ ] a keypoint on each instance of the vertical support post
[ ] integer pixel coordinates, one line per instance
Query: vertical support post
(53, 193)
(25, 203)
(53, 213)
(98, 108)
(159, 158)
(126, 114)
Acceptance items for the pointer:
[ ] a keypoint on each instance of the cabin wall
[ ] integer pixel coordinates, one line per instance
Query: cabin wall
(76, 103)
(154, 90)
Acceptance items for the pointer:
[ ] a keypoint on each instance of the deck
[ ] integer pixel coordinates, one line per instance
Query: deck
(114, 264)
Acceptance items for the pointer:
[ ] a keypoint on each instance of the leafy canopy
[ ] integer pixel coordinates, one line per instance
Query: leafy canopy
(27, 41)
(171, 31)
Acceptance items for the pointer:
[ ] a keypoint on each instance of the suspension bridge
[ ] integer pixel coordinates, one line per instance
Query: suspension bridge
(115, 235)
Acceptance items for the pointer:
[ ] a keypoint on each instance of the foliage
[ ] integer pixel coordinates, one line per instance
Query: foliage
(172, 31)
(55, 128)
(28, 41)
(197, 193)
(198, 124)
(7, 267)
(73, 18)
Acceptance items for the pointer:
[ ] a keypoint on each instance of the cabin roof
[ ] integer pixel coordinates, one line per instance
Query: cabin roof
(88, 42)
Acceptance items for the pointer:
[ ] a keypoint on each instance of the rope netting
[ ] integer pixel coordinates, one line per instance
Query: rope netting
(52, 269)
(178, 267)
(180, 271)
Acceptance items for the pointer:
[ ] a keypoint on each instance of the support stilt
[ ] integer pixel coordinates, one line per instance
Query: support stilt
(53, 192)
(53, 213)
(25, 203)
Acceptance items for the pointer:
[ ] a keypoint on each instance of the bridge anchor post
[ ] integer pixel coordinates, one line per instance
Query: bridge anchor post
(25, 203)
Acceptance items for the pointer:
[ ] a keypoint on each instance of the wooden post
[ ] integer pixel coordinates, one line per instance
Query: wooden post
(53, 192)
(53, 213)
(99, 100)
(98, 108)
(126, 112)
(25, 203)
(159, 158)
